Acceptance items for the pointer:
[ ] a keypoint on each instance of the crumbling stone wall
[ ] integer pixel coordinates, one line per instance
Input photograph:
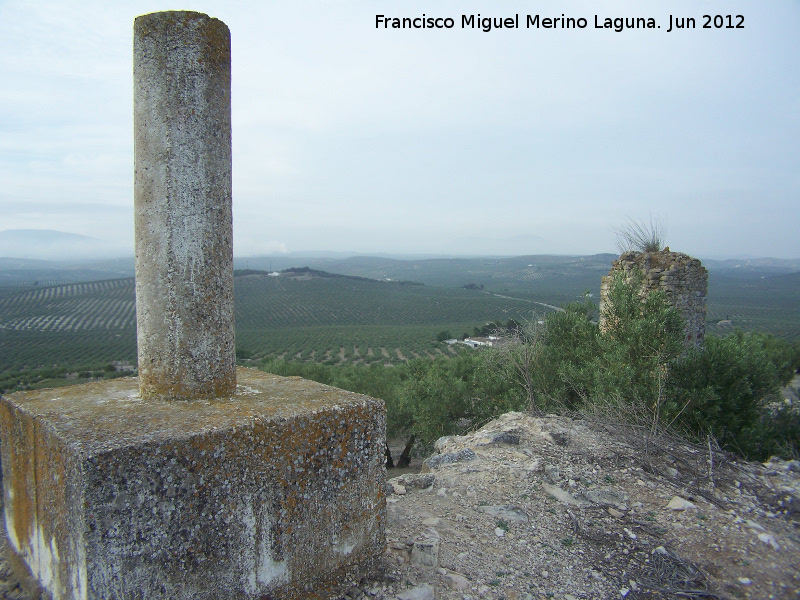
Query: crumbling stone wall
(682, 278)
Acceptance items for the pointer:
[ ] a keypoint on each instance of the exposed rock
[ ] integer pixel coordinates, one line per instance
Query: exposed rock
(608, 497)
(457, 582)
(437, 460)
(768, 539)
(678, 503)
(562, 496)
(558, 436)
(440, 444)
(420, 592)
(425, 552)
(506, 512)
(419, 480)
(501, 437)
(610, 533)
(552, 473)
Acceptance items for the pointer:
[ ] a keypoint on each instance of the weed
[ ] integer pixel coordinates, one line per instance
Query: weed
(638, 235)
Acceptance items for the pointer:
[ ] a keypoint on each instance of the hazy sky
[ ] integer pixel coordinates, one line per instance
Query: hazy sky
(452, 141)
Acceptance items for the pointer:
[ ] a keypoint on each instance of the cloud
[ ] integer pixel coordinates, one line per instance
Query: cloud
(350, 137)
(249, 247)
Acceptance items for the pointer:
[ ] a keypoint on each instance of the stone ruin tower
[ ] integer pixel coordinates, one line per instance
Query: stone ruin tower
(682, 278)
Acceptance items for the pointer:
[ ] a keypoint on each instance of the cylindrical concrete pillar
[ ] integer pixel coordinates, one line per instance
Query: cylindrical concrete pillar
(182, 204)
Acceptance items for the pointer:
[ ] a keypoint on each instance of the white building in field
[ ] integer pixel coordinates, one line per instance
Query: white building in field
(477, 342)
(491, 341)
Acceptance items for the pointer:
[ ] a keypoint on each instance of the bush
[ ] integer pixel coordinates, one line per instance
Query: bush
(724, 390)
(624, 365)
(243, 354)
(572, 346)
(374, 380)
(635, 370)
(444, 396)
(424, 397)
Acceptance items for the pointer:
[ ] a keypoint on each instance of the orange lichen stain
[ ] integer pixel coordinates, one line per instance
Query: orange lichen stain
(289, 433)
(112, 414)
(164, 386)
(19, 460)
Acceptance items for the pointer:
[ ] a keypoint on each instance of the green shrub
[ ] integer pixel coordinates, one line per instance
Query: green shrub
(571, 347)
(642, 335)
(243, 354)
(624, 365)
(724, 388)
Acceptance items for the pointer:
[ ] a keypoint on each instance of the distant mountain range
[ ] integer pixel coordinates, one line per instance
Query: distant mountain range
(48, 244)
(26, 255)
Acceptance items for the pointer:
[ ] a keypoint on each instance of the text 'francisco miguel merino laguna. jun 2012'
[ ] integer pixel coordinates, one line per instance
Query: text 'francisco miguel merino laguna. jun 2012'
(618, 24)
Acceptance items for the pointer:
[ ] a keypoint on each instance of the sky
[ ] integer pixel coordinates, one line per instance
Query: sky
(357, 139)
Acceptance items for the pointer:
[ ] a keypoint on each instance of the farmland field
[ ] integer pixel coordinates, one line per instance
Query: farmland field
(377, 312)
(305, 316)
(769, 304)
(549, 279)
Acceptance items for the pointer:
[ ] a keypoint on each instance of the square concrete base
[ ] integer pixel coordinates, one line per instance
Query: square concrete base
(274, 493)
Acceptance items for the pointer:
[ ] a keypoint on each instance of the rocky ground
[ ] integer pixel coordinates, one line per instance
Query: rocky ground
(536, 508)
(557, 508)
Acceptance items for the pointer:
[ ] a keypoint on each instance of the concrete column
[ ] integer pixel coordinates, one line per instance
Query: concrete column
(182, 204)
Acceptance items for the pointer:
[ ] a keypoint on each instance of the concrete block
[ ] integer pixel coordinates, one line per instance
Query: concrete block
(276, 492)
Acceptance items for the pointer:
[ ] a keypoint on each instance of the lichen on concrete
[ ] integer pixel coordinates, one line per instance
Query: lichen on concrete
(182, 205)
(276, 490)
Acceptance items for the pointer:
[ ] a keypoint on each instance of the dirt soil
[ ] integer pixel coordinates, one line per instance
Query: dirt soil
(557, 508)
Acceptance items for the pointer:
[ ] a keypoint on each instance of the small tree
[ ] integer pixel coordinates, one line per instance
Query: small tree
(520, 357)
(572, 342)
(643, 335)
(443, 396)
